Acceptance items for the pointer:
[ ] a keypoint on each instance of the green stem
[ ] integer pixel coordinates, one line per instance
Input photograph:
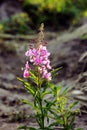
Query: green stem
(64, 122)
(42, 115)
(40, 99)
(62, 115)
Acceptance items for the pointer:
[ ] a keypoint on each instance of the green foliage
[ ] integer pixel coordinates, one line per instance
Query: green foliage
(54, 12)
(56, 107)
(63, 113)
(16, 24)
(40, 106)
(50, 102)
(84, 37)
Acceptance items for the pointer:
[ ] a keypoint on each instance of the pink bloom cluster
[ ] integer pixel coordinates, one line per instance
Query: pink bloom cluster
(40, 57)
(26, 71)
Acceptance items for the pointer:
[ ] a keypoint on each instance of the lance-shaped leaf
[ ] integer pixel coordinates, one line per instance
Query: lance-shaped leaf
(54, 72)
(33, 77)
(28, 86)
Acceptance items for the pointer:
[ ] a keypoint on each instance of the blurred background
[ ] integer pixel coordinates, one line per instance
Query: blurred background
(66, 33)
(22, 16)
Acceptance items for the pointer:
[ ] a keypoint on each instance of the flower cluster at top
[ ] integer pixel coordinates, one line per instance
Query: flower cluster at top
(39, 57)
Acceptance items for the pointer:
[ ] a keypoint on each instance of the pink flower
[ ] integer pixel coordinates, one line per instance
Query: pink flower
(47, 76)
(27, 65)
(26, 73)
(40, 57)
(48, 65)
(38, 60)
(28, 53)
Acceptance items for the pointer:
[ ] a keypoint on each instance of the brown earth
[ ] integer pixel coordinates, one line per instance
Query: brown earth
(12, 112)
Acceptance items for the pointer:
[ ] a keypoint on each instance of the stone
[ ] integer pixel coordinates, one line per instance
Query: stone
(9, 76)
(9, 8)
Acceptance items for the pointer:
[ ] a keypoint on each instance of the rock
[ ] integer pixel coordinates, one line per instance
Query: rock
(8, 77)
(56, 44)
(8, 8)
(66, 51)
(83, 20)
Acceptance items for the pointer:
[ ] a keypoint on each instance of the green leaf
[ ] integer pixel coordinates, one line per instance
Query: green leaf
(55, 71)
(31, 128)
(33, 77)
(45, 85)
(49, 103)
(28, 86)
(73, 115)
(26, 128)
(27, 102)
(56, 90)
(79, 129)
(52, 87)
(30, 104)
(65, 91)
(21, 80)
(23, 128)
(47, 128)
(73, 104)
(45, 93)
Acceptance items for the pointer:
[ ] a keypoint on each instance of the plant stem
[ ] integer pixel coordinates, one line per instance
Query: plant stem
(62, 115)
(40, 99)
(42, 115)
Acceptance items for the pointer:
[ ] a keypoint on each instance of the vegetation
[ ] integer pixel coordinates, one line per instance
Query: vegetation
(17, 24)
(54, 12)
(50, 104)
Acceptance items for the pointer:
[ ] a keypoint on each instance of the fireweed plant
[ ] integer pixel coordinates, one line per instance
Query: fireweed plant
(49, 102)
